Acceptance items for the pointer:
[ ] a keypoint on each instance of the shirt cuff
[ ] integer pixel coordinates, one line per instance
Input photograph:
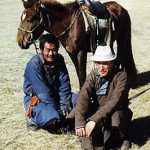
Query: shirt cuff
(79, 127)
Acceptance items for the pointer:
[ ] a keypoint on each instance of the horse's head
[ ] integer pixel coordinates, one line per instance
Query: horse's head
(31, 26)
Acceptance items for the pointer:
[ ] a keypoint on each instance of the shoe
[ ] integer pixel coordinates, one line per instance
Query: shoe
(70, 125)
(126, 145)
(54, 126)
(30, 125)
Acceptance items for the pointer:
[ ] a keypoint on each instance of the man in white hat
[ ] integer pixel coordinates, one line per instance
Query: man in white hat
(101, 113)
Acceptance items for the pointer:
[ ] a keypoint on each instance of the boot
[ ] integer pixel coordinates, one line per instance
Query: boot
(30, 125)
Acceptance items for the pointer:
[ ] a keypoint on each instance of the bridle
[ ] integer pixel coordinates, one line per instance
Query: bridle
(33, 30)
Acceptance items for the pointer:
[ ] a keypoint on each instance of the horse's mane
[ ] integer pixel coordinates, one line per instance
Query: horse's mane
(57, 1)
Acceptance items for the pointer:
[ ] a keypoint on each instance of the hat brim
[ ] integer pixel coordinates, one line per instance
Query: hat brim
(95, 58)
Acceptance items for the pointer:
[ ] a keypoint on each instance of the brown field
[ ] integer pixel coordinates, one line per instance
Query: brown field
(13, 132)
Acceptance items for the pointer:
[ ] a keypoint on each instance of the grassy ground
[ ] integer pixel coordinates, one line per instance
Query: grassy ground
(13, 132)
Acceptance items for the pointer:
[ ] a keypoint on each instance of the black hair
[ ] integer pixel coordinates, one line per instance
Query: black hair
(49, 38)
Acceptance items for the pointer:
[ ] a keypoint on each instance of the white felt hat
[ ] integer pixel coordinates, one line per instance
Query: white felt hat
(103, 53)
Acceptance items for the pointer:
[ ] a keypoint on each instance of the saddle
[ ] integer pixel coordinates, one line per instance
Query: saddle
(100, 29)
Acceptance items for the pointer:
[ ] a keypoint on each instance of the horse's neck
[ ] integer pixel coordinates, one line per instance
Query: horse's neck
(59, 11)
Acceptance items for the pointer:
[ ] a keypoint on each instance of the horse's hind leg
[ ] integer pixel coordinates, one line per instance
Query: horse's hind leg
(124, 48)
(79, 61)
(125, 55)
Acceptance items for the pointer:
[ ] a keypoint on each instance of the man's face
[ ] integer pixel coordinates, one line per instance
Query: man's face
(104, 67)
(49, 52)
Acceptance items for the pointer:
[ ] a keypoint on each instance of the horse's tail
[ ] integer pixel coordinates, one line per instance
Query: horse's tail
(124, 47)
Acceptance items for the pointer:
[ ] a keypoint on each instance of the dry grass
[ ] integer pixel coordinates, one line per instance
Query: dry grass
(13, 132)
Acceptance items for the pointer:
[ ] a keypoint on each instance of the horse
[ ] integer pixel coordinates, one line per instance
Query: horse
(67, 23)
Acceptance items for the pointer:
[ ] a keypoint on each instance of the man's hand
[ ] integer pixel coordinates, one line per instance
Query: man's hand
(89, 128)
(64, 113)
(80, 132)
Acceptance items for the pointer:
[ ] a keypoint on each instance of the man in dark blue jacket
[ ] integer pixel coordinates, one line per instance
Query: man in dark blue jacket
(48, 98)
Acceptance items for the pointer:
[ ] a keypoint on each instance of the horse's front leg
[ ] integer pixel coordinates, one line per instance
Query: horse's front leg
(82, 60)
(79, 59)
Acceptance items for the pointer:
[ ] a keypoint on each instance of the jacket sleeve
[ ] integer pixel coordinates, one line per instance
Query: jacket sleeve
(114, 100)
(83, 101)
(64, 87)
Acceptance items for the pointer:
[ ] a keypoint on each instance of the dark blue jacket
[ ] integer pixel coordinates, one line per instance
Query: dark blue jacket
(51, 84)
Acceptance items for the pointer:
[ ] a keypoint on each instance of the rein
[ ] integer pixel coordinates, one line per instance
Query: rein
(36, 48)
(70, 26)
(133, 97)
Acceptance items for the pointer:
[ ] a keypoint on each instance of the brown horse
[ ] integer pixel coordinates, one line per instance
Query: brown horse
(66, 21)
